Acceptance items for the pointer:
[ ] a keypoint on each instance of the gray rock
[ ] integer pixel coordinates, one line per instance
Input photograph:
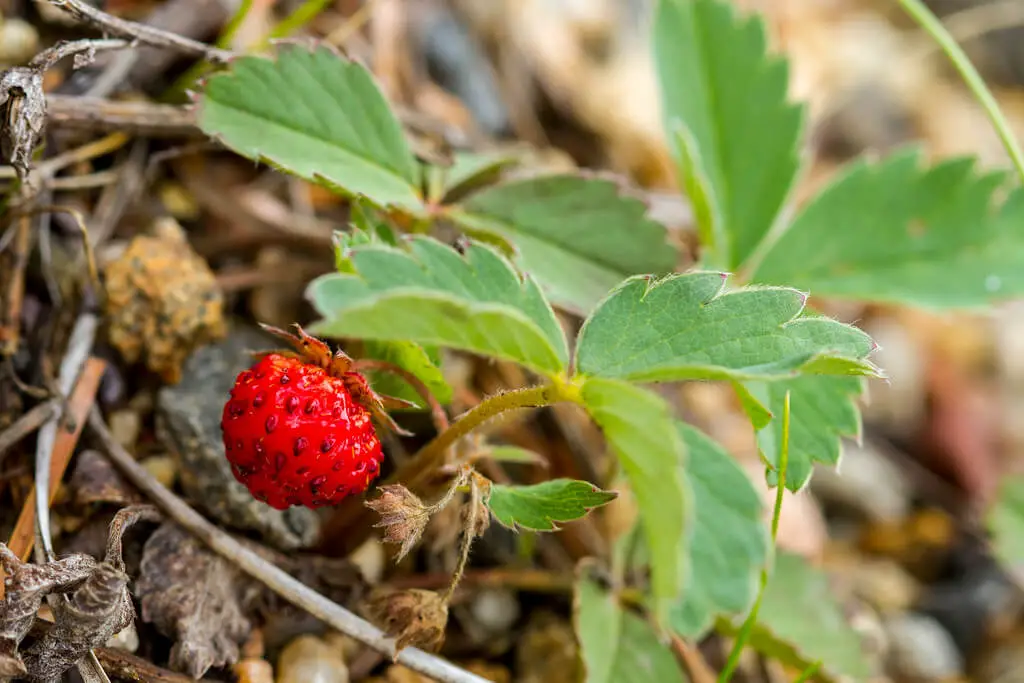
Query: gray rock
(921, 650)
(188, 423)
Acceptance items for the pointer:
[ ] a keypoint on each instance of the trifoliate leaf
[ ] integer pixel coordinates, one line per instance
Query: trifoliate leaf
(578, 236)
(433, 295)
(1005, 521)
(317, 115)
(639, 427)
(896, 232)
(801, 622)
(730, 540)
(540, 506)
(725, 111)
(822, 411)
(413, 358)
(687, 327)
(616, 644)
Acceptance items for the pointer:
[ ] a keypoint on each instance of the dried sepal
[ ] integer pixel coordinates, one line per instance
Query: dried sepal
(403, 516)
(413, 617)
(339, 364)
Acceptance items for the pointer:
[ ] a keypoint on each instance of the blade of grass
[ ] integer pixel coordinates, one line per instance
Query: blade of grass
(748, 625)
(808, 672)
(930, 24)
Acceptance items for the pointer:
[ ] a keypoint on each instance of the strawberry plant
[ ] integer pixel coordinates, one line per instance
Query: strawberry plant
(540, 253)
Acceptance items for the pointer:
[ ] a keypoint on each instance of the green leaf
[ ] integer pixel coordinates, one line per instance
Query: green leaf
(472, 169)
(371, 222)
(687, 327)
(578, 236)
(720, 86)
(433, 295)
(413, 358)
(801, 622)
(639, 427)
(730, 540)
(515, 454)
(617, 645)
(822, 410)
(539, 506)
(1005, 521)
(317, 115)
(896, 232)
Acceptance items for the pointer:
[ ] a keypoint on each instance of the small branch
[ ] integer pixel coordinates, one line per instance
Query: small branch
(112, 25)
(48, 58)
(280, 582)
(27, 423)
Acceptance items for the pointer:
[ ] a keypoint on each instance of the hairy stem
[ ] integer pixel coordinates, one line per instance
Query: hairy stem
(468, 535)
(934, 28)
(430, 457)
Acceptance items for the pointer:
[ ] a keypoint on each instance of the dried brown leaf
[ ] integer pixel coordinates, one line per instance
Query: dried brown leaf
(97, 605)
(195, 597)
(96, 481)
(413, 617)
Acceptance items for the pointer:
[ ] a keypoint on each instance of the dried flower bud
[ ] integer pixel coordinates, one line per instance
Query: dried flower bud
(413, 617)
(403, 516)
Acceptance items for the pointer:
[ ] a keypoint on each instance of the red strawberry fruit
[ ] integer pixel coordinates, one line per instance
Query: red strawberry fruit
(298, 428)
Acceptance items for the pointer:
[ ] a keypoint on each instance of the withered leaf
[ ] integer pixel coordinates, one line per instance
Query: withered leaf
(92, 604)
(195, 597)
(95, 480)
(26, 585)
(203, 602)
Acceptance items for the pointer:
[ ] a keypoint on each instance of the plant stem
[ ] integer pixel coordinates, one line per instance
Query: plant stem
(304, 14)
(934, 28)
(808, 672)
(748, 624)
(468, 535)
(431, 456)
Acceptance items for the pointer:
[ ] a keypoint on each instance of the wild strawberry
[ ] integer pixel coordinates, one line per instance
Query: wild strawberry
(298, 429)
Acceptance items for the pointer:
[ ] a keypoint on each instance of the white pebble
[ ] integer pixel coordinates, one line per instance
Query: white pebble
(495, 609)
(920, 649)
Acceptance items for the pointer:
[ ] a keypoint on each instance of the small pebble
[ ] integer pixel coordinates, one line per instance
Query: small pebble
(371, 560)
(163, 468)
(884, 584)
(896, 404)
(920, 649)
(866, 482)
(308, 659)
(19, 41)
(495, 609)
(125, 426)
